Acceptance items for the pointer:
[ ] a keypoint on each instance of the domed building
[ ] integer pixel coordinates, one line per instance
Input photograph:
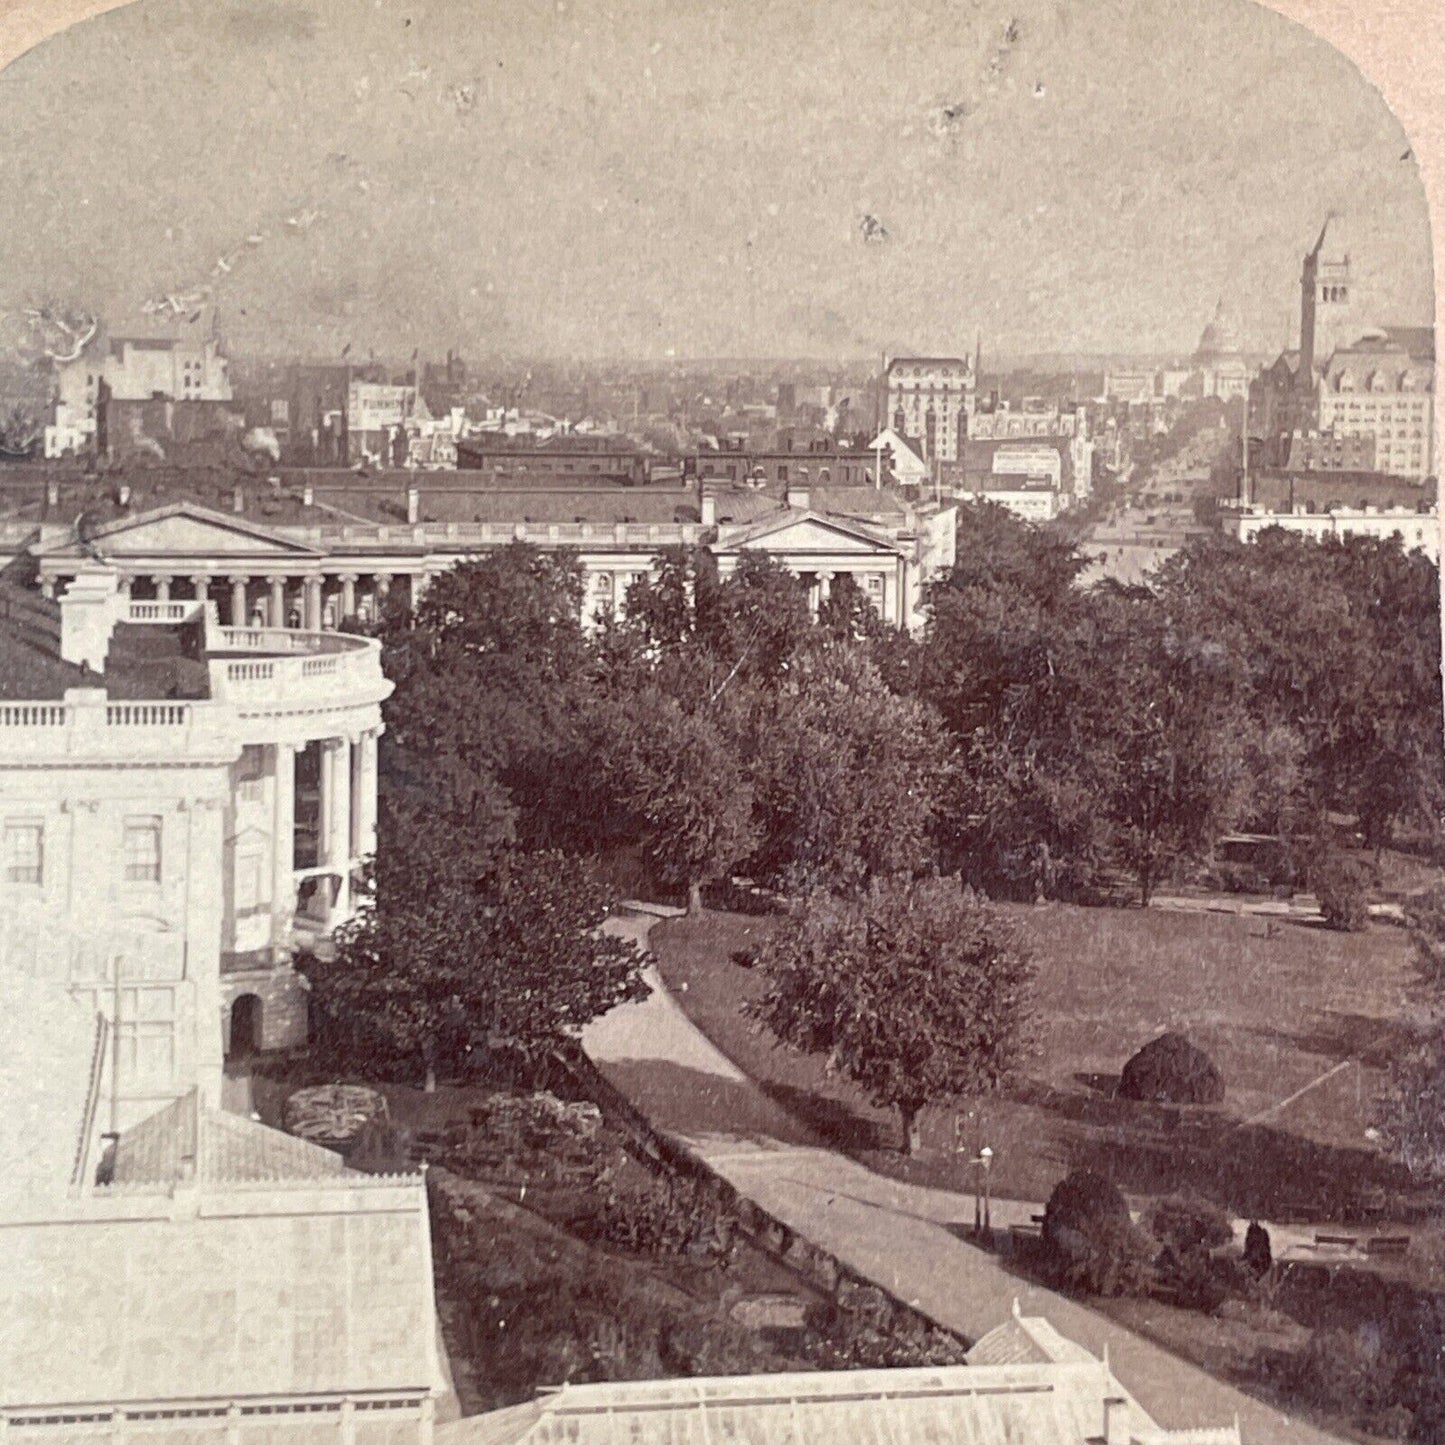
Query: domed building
(1219, 363)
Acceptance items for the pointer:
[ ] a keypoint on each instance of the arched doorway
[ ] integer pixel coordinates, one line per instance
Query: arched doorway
(245, 1037)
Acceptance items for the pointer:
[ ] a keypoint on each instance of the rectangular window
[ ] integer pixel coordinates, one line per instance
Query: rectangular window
(142, 850)
(24, 853)
(146, 1033)
(248, 881)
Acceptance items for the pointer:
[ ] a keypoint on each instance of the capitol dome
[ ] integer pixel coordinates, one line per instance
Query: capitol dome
(1220, 338)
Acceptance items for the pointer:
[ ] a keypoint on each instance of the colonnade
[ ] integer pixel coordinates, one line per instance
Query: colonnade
(314, 600)
(346, 818)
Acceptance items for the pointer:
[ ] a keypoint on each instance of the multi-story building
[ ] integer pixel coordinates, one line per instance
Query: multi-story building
(1375, 388)
(180, 804)
(930, 401)
(180, 362)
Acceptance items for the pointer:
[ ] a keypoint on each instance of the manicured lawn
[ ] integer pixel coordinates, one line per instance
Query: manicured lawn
(1275, 1008)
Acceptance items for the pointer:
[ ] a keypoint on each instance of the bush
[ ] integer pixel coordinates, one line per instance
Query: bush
(1090, 1240)
(667, 1216)
(1171, 1070)
(1342, 886)
(1258, 1253)
(1187, 1224)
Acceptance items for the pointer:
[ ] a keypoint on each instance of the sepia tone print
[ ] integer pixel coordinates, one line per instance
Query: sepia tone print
(718, 723)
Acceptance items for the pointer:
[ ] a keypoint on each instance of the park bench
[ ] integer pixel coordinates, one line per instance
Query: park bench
(1343, 1241)
(1388, 1244)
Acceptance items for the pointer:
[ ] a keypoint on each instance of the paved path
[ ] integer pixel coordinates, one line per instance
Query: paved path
(902, 1236)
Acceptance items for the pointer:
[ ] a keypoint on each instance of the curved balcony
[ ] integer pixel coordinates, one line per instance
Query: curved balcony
(273, 670)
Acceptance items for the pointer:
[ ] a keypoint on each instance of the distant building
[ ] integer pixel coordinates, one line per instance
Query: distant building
(930, 400)
(1376, 389)
(1219, 367)
(907, 467)
(1364, 386)
(179, 362)
(818, 460)
(1414, 529)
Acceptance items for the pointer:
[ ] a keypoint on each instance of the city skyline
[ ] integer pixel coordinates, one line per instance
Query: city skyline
(762, 182)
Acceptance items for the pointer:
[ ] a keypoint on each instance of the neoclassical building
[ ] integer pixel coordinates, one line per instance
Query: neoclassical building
(331, 557)
(182, 803)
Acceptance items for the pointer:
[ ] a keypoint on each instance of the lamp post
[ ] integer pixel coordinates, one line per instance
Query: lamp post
(982, 1222)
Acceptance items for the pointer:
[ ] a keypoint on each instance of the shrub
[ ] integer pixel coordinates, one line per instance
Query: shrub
(1090, 1240)
(1342, 886)
(1171, 1070)
(1258, 1254)
(1188, 1224)
(667, 1216)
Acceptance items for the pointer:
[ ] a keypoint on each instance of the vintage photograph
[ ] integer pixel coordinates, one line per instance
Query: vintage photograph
(720, 724)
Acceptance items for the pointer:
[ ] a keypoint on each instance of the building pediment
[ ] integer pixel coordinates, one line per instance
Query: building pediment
(803, 533)
(180, 532)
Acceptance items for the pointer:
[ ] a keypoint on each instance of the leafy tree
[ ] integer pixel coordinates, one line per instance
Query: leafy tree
(754, 621)
(492, 672)
(511, 962)
(676, 773)
(849, 776)
(917, 991)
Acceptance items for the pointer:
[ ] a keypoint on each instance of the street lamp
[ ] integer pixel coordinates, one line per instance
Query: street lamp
(981, 1217)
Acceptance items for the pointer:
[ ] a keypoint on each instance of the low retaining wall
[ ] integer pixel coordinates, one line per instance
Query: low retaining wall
(849, 1290)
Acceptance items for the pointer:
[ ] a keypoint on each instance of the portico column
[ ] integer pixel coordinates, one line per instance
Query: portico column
(47, 586)
(283, 844)
(238, 601)
(276, 617)
(890, 598)
(201, 586)
(336, 815)
(311, 619)
(348, 595)
(126, 582)
(363, 796)
(825, 586)
(163, 588)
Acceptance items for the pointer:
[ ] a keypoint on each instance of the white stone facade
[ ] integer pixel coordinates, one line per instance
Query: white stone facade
(164, 859)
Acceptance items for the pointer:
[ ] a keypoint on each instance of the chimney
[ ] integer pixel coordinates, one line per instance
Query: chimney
(707, 507)
(238, 500)
(89, 610)
(308, 495)
(1116, 1420)
(413, 505)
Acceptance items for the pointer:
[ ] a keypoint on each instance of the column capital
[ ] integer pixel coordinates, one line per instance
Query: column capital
(238, 578)
(352, 577)
(278, 579)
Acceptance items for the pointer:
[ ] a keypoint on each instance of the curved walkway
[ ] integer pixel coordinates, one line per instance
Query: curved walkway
(901, 1236)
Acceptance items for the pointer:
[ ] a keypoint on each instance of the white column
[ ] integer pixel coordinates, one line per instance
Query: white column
(825, 586)
(348, 595)
(238, 601)
(283, 844)
(276, 613)
(126, 582)
(163, 588)
(890, 598)
(363, 796)
(201, 586)
(336, 818)
(311, 617)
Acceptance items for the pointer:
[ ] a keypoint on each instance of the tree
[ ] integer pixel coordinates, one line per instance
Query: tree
(849, 777)
(511, 962)
(917, 991)
(677, 775)
(754, 621)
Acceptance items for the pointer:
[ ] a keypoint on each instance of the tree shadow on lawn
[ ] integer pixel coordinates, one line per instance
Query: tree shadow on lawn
(695, 1104)
(1338, 1036)
(841, 1126)
(1252, 1170)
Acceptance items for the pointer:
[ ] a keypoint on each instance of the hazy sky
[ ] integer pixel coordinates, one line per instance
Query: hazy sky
(633, 177)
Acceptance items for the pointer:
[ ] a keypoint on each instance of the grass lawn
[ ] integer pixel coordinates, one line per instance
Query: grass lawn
(1277, 1009)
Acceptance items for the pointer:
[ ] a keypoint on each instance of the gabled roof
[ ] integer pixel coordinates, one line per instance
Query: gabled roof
(185, 1140)
(814, 531)
(180, 528)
